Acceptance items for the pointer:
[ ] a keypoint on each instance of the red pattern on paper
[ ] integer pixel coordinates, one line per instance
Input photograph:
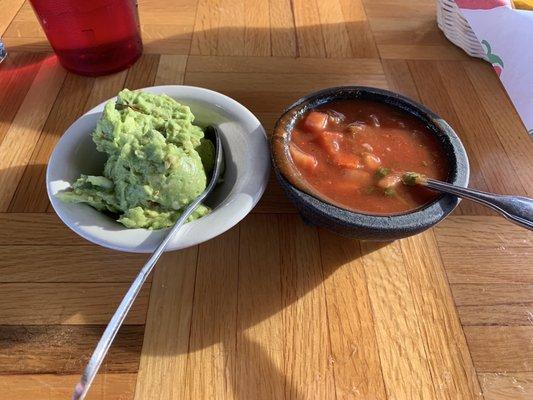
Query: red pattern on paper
(481, 4)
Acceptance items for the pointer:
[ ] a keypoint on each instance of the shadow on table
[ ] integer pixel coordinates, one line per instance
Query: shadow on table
(262, 362)
(24, 193)
(220, 42)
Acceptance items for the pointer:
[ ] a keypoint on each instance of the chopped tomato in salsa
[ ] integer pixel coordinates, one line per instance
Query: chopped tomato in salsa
(355, 153)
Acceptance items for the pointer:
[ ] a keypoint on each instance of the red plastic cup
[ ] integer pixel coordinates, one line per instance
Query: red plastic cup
(91, 37)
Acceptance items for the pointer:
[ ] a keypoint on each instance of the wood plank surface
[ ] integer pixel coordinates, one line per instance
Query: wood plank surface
(35, 228)
(68, 303)
(492, 348)
(273, 308)
(452, 370)
(163, 377)
(396, 324)
(283, 37)
(81, 264)
(65, 349)
(512, 386)
(212, 342)
(260, 330)
(353, 344)
(16, 79)
(307, 346)
(9, 10)
(30, 195)
(23, 134)
(111, 386)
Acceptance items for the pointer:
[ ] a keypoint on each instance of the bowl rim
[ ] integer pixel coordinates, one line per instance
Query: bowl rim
(427, 215)
(245, 198)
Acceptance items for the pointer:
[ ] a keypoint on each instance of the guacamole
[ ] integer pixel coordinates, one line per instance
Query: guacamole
(157, 162)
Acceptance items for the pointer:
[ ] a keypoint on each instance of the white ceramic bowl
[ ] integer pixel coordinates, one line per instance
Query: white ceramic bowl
(245, 178)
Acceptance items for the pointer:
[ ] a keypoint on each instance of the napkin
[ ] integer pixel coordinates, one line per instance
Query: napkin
(506, 35)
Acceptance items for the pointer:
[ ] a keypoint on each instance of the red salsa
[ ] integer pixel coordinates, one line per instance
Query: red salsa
(355, 153)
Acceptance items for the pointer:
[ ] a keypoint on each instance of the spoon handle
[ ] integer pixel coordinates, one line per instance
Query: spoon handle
(517, 209)
(115, 323)
(81, 389)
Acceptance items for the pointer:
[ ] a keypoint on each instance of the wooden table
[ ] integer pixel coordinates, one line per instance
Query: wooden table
(272, 309)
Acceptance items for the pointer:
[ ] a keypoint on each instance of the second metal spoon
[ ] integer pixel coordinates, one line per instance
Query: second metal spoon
(516, 209)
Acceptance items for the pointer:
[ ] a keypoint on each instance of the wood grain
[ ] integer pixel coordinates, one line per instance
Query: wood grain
(386, 8)
(282, 29)
(32, 228)
(9, 10)
(404, 363)
(308, 29)
(484, 143)
(142, 73)
(260, 329)
(211, 361)
(52, 387)
(257, 28)
(284, 65)
(353, 343)
(30, 195)
(22, 136)
(447, 352)
(512, 386)
(170, 70)
(205, 37)
(81, 264)
(68, 303)
(27, 44)
(407, 31)
(105, 87)
(420, 52)
(171, 295)
(170, 39)
(334, 32)
(520, 314)
(268, 94)
(485, 250)
(65, 349)
(307, 345)
(492, 294)
(21, 28)
(274, 201)
(493, 348)
(18, 74)
(231, 28)
(359, 31)
(163, 364)
(400, 79)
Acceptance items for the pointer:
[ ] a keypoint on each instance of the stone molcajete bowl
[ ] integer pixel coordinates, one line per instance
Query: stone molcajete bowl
(319, 212)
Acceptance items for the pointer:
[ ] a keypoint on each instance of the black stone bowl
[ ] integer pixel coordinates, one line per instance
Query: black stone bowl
(358, 225)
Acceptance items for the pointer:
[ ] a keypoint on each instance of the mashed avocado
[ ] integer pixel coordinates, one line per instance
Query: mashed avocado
(157, 163)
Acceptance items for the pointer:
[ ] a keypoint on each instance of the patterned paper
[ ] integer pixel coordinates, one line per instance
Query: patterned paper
(506, 35)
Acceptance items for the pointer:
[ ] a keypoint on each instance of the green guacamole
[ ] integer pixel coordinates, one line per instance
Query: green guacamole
(157, 162)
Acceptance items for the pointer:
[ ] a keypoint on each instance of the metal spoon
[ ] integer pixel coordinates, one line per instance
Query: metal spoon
(516, 209)
(112, 328)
